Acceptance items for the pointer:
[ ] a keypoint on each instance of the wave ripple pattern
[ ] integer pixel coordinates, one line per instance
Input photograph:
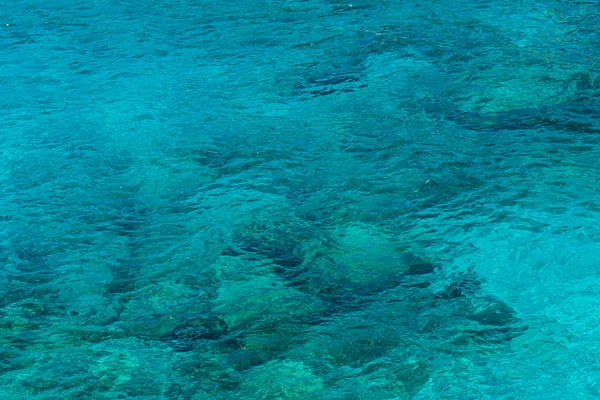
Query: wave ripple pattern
(315, 199)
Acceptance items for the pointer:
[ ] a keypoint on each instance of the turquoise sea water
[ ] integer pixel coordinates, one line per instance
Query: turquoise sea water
(315, 199)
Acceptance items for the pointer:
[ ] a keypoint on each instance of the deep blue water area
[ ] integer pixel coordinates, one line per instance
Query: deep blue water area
(299, 199)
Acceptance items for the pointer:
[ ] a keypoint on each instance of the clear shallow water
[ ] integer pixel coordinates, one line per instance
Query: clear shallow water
(299, 200)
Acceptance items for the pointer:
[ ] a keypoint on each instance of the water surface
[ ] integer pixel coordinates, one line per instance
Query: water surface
(299, 200)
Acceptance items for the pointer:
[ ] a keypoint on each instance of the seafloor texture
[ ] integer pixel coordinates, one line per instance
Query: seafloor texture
(299, 199)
